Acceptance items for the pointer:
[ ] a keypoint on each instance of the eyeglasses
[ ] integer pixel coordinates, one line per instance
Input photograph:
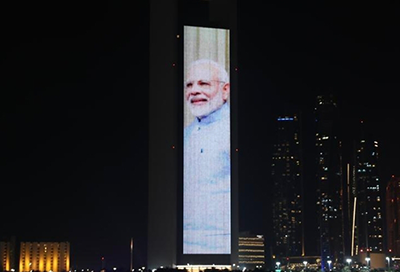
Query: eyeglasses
(201, 84)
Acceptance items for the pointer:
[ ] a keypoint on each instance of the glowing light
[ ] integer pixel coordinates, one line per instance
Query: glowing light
(285, 119)
(329, 264)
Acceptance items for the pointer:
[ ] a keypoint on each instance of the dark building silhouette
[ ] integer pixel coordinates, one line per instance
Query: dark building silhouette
(329, 181)
(287, 182)
(393, 216)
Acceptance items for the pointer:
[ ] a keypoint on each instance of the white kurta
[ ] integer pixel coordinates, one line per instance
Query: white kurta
(207, 184)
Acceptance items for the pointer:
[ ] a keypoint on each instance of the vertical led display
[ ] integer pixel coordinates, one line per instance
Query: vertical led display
(207, 145)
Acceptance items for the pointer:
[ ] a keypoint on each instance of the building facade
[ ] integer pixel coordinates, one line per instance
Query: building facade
(34, 256)
(393, 216)
(168, 19)
(44, 256)
(287, 180)
(8, 250)
(329, 181)
(369, 201)
(251, 251)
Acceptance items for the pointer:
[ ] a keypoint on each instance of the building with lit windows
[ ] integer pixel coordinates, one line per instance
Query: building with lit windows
(393, 216)
(287, 180)
(44, 256)
(8, 255)
(251, 251)
(369, 203)
(329, 181)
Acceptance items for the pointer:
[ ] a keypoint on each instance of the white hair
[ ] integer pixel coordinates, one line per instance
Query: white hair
(222, 73)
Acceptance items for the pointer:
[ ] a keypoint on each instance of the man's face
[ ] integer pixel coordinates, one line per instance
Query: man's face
(204, 93)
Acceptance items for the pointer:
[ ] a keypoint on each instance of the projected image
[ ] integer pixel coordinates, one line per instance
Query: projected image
(206, 157)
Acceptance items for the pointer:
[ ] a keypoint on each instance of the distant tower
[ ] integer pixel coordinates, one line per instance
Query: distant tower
(393, 216)
(369, 219)
(329, 181)
(287, 180)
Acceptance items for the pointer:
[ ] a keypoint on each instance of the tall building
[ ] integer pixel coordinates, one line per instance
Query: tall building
(182, 31)
(393, 216)
(287, 180)
(44, 256)
(369, 202)
(329, 181)
(251, 251)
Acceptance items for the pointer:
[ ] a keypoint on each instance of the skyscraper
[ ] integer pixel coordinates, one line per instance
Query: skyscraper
(329, 180)
(181, 32)
(393, 216)
(287, 181)
(369, 208)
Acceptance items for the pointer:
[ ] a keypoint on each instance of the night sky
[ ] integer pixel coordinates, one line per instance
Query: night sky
(74, 96)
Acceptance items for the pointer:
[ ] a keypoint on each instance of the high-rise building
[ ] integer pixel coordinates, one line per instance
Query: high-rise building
(179, 231)
(287, 181)
(251, 251)
(393, 216)
(329, 181)
(44, 256)
(369, 202)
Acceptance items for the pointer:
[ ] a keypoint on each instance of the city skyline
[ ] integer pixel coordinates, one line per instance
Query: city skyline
(75, 148)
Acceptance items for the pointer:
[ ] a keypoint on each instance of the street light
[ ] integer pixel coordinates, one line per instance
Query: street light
(278, 265)
(348, 261)
(368, 259)
(305, 264)
(329, 264)
(388, 260)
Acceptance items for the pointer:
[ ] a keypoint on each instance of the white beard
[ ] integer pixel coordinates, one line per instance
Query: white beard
(212, 105)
